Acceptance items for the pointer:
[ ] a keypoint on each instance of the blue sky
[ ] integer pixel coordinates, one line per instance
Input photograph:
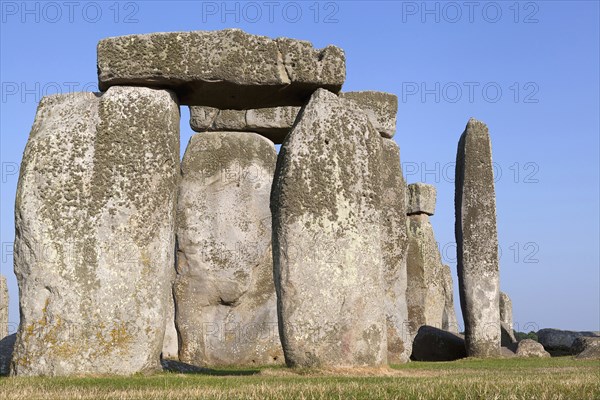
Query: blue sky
(530, 70)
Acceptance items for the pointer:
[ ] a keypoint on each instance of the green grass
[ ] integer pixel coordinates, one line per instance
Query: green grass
(556, 378)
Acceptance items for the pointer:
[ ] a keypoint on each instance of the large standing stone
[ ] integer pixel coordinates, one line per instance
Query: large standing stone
(326, 238)
(3, 307)
(226, 304)
(95, 238)
(477, 241)
(224, 69)
(425, 294)
(506, 310)
(394, 244)
(449, 321)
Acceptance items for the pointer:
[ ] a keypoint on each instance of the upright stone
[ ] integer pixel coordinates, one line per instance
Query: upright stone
(449, 321)
(425, 294)
(225, 297)
(506, 310)
(95, 237)
(170, 348)
(3, 307)
(394, 244)
(228, 69)
(477, 241)
(326, 238)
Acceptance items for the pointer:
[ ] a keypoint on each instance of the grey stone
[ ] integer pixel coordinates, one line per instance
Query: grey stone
(506, 352)
(477, 241)
(326, 210)
(7, 346)
(3, 307)
(507, 335)
(381, 109)
(227, 69)
(586, 348)
(506, 310)
(95, 237)
(274, 123)
(170, 349)
(433, 344)
(225, 297)
(421, 199)
(529, 348)
(394, 246)
(561, 340)
(449, 321)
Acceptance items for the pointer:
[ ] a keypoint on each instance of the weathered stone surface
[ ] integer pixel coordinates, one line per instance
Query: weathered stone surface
(381, 109)
(586, 348)
(477, 241)
(228, 69)
(449, 321)
(226, 304)
(326, 238)
(394, 246)
(170, 349)
(95, 238)
(507, 335)
(274, 123)
(506, 310)
(529, 348)
(560, 340)
(425, 293)
(3, 307)
(6, 350)
(433, 344)
(421, 199)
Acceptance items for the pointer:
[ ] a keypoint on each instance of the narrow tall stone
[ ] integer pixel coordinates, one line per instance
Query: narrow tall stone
(3, 307)
(225, 297)
(506, 316)
(170, 348)
(449, 321)
(95, 237)
(477, 241)
(394, 245)
(326, 238)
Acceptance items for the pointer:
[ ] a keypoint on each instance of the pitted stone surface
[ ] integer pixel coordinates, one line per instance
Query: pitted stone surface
(477, 241)
(381, 109)
(421, 199)
(529, 348)
(449, 321)
(394, 246)
(3, 307)
(95, 239)
(326, 203)
(228, 69)
(224, 292)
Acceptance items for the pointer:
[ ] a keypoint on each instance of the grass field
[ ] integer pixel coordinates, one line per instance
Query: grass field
(556, 378)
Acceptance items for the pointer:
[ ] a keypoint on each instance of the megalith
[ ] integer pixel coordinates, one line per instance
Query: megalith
(506, 310)
(477, 241)
(228, 69)
(449, 321)
(95, 235)
(381, 108)
(3, 307)
(327, 258)
(224, 292)
(170, 349)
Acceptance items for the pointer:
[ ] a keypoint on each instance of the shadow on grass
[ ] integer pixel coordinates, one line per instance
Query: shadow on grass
(179, 367)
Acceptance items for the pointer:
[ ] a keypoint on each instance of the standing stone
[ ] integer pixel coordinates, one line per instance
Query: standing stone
(224, 292)
(477, 241)
(95, 237)
(228, 69)
(506, 310)
(425, 294)
(326, 238)
(3, 307)
(394, 245)
(449, 321)
(170, 348)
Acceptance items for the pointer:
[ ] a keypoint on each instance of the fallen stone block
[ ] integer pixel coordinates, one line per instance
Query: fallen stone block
(433, 344)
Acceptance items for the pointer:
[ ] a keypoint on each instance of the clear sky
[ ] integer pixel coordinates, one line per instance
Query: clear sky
(530, 70)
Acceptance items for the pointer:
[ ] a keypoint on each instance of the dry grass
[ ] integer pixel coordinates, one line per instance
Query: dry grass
(557, 378)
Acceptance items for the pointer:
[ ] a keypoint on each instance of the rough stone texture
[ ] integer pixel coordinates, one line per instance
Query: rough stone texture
(477, 241)
(586, 348)
(274, 123)
(421, 199)
(559, 340)
(425, 294)
(529, 348)
(449, 321)
(6, 350)
(507, 335)
(394, 246)
(381, 109)
(3, 308)
(227, 69)
(506, 310)
(226, 303)
(95, 239)
(170, 349)
(326, 238)
(433, 344)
